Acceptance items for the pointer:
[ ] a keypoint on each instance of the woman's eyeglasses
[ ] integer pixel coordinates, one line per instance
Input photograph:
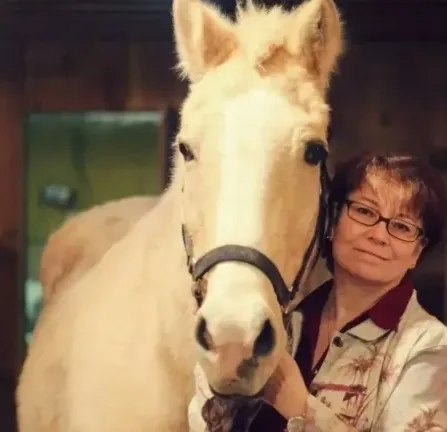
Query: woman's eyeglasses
(368, 216)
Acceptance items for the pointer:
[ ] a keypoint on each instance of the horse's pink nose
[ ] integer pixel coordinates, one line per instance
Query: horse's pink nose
(263, 345)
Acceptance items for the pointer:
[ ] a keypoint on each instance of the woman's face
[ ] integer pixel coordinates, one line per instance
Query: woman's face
(371, 253)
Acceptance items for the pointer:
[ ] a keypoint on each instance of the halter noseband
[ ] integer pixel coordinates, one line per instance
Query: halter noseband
(233, 252)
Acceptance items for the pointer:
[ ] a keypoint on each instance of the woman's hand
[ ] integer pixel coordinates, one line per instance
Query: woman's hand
(285, 390)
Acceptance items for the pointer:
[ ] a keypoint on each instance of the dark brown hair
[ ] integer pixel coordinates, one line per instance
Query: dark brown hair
(427, 198)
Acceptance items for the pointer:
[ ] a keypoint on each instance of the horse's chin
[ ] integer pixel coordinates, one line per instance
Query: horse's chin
(238, 388)
(237, 379)
(231, 394)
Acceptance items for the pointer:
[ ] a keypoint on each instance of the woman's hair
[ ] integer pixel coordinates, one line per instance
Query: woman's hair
(424, 187)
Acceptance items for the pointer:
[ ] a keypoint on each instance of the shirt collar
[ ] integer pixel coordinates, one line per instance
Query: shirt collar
(384, 316)
(387, 312)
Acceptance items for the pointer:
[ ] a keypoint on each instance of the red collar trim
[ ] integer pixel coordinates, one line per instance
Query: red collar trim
(386, 313)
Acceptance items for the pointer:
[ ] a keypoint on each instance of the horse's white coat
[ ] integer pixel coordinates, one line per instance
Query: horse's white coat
(114, 351)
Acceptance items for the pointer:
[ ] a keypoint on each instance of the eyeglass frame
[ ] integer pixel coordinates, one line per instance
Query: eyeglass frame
(349, 202)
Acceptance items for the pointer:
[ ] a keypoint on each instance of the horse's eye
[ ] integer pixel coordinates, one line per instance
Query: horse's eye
(315, 152)
(186, 151)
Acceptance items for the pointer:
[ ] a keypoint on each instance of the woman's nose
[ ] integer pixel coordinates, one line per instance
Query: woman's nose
(379, 233)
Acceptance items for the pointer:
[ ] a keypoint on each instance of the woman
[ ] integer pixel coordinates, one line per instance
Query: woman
(369, 358)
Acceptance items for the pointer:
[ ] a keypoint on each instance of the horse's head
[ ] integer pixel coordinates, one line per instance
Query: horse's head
(253, 127)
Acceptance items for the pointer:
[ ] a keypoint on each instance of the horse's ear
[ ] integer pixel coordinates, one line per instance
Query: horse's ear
(204, 38)
(315, 35)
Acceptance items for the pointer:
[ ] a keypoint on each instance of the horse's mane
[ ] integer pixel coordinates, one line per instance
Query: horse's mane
(259, 31)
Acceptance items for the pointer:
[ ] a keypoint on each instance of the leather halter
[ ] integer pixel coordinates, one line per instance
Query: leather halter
(233, 252)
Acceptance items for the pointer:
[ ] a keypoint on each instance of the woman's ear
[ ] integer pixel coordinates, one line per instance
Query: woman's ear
(418, 251)
(422, 245)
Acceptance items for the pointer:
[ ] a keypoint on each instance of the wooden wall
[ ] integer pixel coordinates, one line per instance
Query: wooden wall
(11, 106)
(391, 95)
(113, 76)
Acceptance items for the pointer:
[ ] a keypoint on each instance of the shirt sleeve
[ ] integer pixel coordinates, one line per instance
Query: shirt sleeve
(418, 402)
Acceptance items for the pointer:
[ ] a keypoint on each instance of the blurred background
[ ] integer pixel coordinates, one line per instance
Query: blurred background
(89, 104)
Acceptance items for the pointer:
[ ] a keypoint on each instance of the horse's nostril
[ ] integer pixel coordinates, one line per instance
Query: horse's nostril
(202, 334)
(265, 341)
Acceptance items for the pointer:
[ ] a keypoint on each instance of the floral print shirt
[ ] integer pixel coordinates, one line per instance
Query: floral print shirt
(386, 371)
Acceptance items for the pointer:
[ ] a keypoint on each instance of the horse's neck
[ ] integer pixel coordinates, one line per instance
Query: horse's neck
(161, 231)
(313, 280)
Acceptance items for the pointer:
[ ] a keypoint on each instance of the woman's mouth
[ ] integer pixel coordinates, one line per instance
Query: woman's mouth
(372, 254)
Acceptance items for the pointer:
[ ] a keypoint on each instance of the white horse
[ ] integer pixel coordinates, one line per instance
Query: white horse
(114, 351)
